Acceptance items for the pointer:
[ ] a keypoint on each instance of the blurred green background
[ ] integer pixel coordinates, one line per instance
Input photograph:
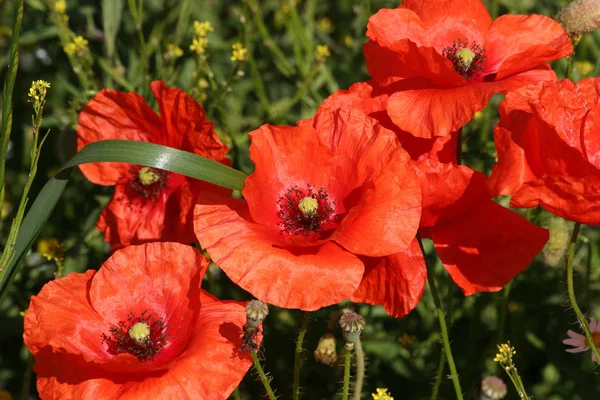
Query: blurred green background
(281, 82)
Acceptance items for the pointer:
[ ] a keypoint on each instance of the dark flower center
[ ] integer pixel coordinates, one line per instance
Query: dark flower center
(142, 336)
(467, 58)
(146, 181)
(306, 211)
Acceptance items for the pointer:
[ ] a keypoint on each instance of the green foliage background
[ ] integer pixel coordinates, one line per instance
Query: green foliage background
(281, 88)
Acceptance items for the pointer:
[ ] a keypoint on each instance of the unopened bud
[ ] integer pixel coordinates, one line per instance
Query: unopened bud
(352, 325)
(325, 352)
(579, 17)
(256, 312)
(560, 235)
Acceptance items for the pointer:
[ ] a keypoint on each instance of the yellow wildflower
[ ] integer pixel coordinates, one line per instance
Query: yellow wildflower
(240, 53)
(406, 340)
(37, 91)
(348, 40)
(505, 353)
(51, 249)
(77, 46)
(585, 68)
(322, 52)
(60, 6)
(199, 45)
(173, 52)
(382, 394)
(202, 28)
(4, 395)
(325, 25)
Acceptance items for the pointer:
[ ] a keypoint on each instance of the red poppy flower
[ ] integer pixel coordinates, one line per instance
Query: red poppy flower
(548, 144)
(322, 194)
(148, 204)
(140, 327)
(448, 58)
(482, 244)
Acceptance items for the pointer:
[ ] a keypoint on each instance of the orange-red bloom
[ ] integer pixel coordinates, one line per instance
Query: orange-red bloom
(482, 244)
(548, 143)
(449, 58)
(139, 328)
(148, 204)
(322, 193)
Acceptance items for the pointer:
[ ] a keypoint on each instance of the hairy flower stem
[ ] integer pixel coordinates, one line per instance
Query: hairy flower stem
(263, 376)
(347, 363)
(502, 323)
(571, 290)
(298, 355)
(443, 328)
(442, 365)
(7, 91)
(360, 370)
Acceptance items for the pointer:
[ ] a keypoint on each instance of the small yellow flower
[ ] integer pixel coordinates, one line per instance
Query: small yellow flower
(382, 394)
(202, 28)
(406, 340)
(37, 91)
(348, 40)
(173, 52)
(239, 53)
(322, 52)
(584, 67)
(199, 45)
(60, 6)
(51, 249)
(77, 46)
(4, 395)
(505, 353)
(325, 25)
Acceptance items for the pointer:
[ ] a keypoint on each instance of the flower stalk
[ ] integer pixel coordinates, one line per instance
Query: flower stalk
(443, 327)
(298, 355)
(571, 291)
(262, 376)
(347, 363)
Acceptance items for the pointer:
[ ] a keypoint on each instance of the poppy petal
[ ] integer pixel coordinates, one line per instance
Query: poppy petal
(466, 12)
(186, 127)
(439, 111)
(516, 43)
(486, 247)
(251, 258)
(396, 282)
(115, 115)
(58, 324)
(449, 190)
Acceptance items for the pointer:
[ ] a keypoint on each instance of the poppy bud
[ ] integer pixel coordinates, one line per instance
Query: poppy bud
(556, 248)
(579, 17)
(256, 312)
(352, 325)
(325, 352)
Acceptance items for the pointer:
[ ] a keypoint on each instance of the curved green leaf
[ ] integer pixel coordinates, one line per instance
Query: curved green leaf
(139, 153)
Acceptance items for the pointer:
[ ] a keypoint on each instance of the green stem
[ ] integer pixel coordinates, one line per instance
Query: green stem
(263, 377)
(502, 323)
(443, 328)
(360, 370)
(9, 85)
(298, 355)
(441, 366)
(27, 378)
(571, 290)
(347, 363)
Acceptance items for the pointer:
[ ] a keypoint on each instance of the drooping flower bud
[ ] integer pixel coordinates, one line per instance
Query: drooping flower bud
(579, 17)
(352, 325)
(560, 234)
(325, 352)
(256, 312)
